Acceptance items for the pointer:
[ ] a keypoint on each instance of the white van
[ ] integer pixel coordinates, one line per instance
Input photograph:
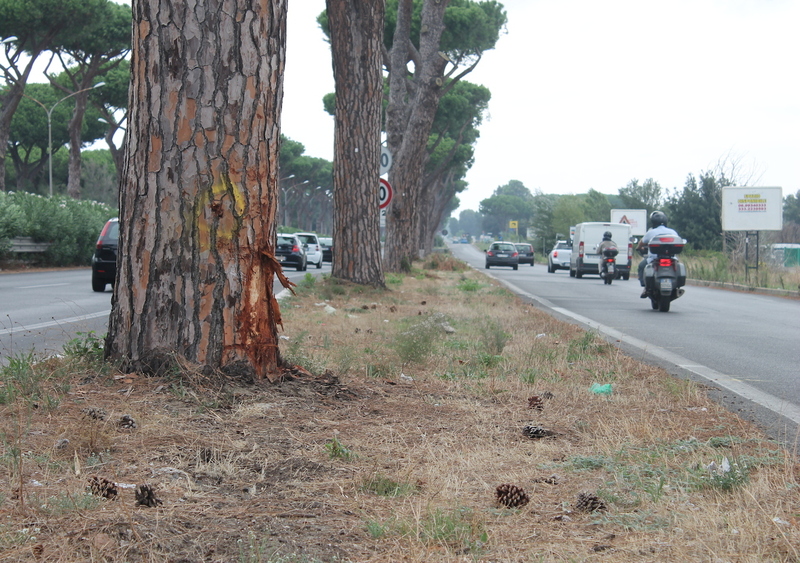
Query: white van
(588, 236)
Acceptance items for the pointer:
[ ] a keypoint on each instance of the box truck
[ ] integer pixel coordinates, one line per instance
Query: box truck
(588, 236)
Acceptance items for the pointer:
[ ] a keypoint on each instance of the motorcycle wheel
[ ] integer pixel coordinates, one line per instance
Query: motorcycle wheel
(663, 305)
(654, 303)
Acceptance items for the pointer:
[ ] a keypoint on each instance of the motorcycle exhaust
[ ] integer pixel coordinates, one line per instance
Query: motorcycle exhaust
(681, 291)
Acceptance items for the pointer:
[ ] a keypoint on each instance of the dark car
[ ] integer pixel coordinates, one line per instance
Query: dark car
(289, 252)
(526, 254)
(502, 254)
(104, 259)
(327, 248)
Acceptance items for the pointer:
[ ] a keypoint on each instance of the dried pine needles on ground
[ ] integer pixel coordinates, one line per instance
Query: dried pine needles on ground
(440, 420)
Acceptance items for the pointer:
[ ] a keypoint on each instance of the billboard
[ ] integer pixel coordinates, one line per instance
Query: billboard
(752, 209)
(636, 218)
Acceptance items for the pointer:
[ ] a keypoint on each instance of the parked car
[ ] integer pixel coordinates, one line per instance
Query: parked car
(327, 248)
(312, 247)
(104, 259)
(526, 253)
(464, 240)
(558, 259)
(502, 254)
(289, 251)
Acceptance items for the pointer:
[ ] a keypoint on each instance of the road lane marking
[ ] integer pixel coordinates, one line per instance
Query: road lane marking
(60, 322)
(38, 286)
(779, 406)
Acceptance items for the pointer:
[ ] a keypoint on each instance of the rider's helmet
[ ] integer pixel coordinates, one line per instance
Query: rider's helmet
(658, 218)
(607, 235)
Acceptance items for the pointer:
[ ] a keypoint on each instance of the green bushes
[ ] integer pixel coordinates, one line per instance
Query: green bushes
(70, 225)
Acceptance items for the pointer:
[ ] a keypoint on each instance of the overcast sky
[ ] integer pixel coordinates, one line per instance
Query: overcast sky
(589, 94)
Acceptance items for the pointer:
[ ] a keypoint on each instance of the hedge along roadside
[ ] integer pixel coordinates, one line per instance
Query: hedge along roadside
(69, 226)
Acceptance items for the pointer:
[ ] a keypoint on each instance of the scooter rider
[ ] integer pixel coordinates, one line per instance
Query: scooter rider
(658, 226)
(607, 243)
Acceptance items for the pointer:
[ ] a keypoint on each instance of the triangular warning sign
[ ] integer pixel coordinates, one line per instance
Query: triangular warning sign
(625, 220)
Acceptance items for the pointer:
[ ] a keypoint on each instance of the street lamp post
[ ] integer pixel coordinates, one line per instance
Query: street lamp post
(285, 198)
(50, 126)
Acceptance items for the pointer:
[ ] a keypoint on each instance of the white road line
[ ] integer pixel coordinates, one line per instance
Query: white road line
(60, 322)
(732, 384)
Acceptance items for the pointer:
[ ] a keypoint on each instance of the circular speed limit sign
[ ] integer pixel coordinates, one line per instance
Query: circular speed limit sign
(384, 193)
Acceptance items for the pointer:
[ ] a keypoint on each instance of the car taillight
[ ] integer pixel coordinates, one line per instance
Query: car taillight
(580, 249)
(555, 254)
(515, 254)
(665, 262)
(295, 248)
(102, 235)
(630, 251)
(490, 253)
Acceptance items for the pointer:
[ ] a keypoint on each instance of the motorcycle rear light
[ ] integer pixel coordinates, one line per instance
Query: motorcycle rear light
(665, 262)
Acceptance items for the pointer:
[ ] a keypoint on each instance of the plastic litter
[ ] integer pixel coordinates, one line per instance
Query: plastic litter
(599, 389)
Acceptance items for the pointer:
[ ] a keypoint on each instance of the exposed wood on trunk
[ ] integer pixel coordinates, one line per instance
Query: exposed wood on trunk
(199, 187)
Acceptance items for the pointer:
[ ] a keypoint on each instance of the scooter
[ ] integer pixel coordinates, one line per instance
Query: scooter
(608, 263)
(665, 276)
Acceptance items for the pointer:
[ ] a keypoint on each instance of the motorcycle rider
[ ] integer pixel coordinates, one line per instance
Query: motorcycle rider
(658, 226)
(607, 243)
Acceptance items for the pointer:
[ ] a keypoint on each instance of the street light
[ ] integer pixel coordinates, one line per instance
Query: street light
(285, 191)
(50, 126)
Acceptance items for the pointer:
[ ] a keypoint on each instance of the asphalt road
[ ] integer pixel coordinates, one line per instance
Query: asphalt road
(41, 311)
(744, 344)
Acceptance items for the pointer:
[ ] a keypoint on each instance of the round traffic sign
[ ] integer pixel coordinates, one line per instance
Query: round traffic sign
(384, 193)
(386, 161)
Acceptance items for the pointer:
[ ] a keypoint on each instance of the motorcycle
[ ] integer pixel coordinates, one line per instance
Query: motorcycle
(608, 263)
(665, 276)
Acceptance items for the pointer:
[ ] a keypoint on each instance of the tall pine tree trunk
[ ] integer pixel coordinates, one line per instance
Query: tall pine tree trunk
(199, 188)
(413, 102)
(356, 37)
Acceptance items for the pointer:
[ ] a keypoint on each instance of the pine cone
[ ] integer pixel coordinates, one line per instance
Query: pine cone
(102, 487)
(511, 496)
(126, 422)
(535, 402)
(94, 413)
(146, 496)
(588, 502)
(534, 431)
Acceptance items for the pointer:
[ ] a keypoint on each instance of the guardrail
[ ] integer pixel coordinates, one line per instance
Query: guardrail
(27, 244)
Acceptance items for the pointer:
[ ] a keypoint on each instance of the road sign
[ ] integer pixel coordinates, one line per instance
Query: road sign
(384, 193)
(386, 161)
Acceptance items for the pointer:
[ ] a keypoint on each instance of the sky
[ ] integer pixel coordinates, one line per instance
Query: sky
(589, 94)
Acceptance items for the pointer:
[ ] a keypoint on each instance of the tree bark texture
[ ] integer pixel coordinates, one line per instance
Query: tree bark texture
(413, 101)
(356, 43)
(199, 188)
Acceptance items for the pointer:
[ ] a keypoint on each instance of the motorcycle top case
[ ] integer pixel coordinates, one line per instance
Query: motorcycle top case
(666, 245)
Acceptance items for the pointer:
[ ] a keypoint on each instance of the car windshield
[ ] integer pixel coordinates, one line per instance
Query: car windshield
(308, 239)
(286, 240)
(562, 246)
(524, 247)
(112, 234)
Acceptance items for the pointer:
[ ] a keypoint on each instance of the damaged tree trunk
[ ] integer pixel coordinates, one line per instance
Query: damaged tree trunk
(199, 188)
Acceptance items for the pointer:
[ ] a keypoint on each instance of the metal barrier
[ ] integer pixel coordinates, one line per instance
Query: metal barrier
(27, 244)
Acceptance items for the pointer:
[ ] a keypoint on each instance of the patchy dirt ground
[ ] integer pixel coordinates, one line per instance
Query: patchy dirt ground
(374, 457)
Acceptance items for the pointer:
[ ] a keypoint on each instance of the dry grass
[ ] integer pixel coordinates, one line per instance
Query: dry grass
(393, 447)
